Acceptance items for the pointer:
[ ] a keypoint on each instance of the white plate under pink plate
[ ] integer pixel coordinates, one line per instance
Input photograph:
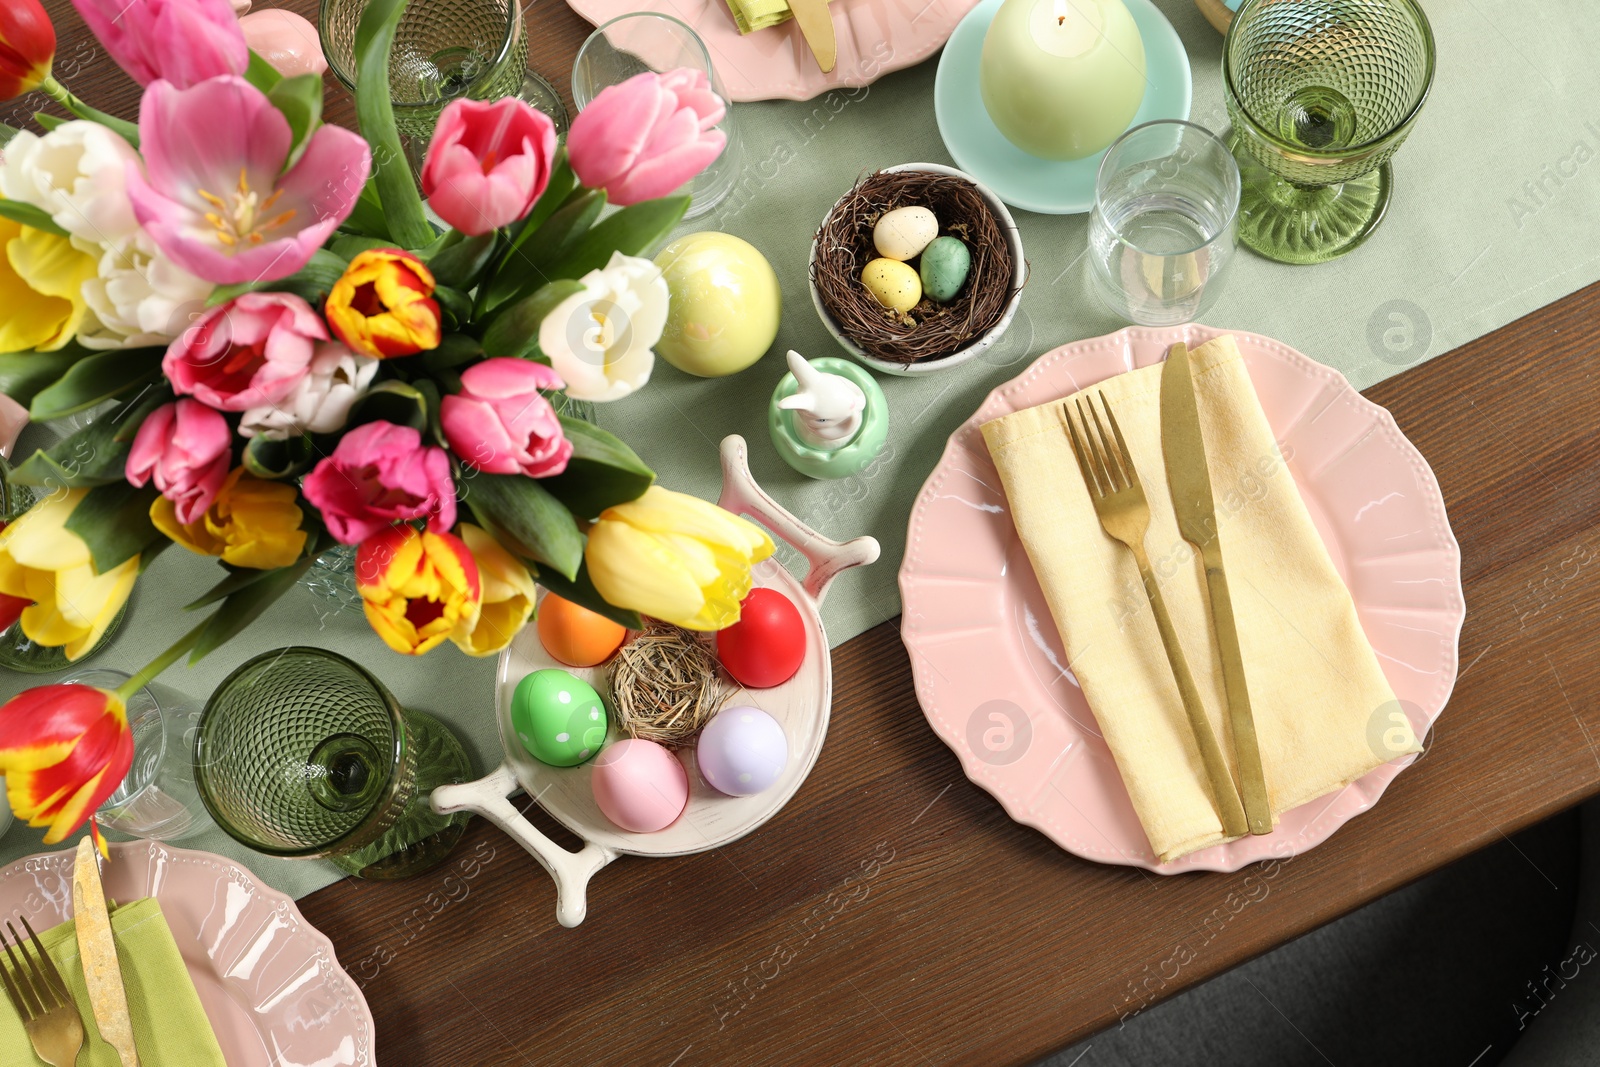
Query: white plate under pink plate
(978, 629)
(269, 982)
(874, 38)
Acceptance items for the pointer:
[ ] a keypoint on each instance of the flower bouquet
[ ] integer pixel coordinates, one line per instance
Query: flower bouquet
(282, 352)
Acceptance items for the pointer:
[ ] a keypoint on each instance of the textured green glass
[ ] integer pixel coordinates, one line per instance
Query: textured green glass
(443, 50)
(302, 753)
(1321, 94)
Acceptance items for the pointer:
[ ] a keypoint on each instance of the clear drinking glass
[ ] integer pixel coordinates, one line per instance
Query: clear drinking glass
(1321, 93)
(19, 653)
(633, 44)
(444, 50)
(1165, 221)
(303, 753)
(157, 800)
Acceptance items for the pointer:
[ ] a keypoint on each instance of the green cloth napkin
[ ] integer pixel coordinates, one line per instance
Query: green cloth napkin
(752, 15)
(169, 1025)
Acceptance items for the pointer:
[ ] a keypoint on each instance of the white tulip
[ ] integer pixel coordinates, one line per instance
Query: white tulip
(75, 173)
(139, 296)
(321, 402)
(600, 340)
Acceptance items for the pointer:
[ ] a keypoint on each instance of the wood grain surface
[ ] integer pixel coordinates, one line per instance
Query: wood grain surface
(892, 914)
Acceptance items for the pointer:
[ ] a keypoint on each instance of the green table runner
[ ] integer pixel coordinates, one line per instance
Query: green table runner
(1496, 212)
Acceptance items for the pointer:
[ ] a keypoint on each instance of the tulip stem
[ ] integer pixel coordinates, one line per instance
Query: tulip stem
(148, 673)
(61, 95)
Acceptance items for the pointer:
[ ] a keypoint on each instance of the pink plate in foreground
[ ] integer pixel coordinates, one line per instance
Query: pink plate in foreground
(989, 667)
(269, 982)
(875, 37)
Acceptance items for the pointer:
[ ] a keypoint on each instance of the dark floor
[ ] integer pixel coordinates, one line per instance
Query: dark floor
(1436, 973)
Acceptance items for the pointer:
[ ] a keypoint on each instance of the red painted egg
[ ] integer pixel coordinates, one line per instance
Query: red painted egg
(768, 643)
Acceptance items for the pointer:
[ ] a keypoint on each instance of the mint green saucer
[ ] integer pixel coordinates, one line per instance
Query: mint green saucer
(1050, 187)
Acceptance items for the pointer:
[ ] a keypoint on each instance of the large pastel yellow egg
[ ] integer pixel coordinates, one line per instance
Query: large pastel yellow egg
(895, 284)
(725, 304)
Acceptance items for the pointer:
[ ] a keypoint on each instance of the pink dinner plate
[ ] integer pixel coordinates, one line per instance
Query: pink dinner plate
(988, 663)
(874, 37)
(269, 982)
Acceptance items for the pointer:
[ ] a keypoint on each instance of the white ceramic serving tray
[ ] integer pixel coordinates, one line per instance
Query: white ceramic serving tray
(801, 705)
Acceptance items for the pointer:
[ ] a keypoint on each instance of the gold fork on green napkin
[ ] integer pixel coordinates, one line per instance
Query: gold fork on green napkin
(169, 1024)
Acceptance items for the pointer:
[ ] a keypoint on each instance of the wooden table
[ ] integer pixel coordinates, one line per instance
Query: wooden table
(893, 914)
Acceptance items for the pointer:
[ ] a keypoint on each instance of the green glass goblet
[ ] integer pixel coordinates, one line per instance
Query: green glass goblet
(444, 50)
(303, 753)
(1321, 94)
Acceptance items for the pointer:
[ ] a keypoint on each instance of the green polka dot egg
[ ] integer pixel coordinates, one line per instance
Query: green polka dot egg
(558, 718)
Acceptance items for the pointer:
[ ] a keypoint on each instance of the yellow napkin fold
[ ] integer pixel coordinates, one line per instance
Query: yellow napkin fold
(1323, 709)
(752, 15)
(170, 1027)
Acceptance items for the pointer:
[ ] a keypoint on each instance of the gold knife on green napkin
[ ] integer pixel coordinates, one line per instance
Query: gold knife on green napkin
(1189, 480)
(102, 975)
(816, 26)
(753, 15)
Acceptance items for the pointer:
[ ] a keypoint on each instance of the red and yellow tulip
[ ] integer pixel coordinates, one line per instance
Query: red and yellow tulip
(418, 589)
(383, 306)
(27, 47)
(63, 750)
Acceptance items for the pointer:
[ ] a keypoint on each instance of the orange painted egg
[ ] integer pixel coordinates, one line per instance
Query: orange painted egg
(575, 635)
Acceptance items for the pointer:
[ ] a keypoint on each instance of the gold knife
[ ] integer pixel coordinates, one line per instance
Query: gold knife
(101, 973)
(1189, 481)
(816, 26)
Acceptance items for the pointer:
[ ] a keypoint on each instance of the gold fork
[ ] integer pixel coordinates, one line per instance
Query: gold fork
(40, 996)
(1119, 501)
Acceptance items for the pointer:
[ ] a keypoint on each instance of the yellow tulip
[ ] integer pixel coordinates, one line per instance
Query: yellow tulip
(252, 523)
(42, 561)
(508, 595)
(41, 288)
(676, 558)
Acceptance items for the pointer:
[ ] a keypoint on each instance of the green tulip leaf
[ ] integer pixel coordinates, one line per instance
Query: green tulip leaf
(299, 99)
(455, 349)
(48, 121)
(114, 521)
(514, 330)
(528, 264)
(430, 398)
(562, 188)
(350, 245)
(245, 605)
(367, 218)
(277, 460)
(522, 515)
(7, 132)
(390, 401)
(96, 378)
(261, 74)
(237, 579)
(311, 283)
(460, 263)
(402, 204)
(581, 591)
(96, 454)
(455, 305)
(23, 375)
(28, 215)
(602, 472)
(633, 231)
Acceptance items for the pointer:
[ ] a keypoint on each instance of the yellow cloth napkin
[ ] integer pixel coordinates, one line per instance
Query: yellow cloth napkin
(1322, 706)
(752, 15)
(170, 1027)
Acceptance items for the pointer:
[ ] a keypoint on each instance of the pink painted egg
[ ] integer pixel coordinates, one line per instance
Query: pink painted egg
(639, 785)
(285, 40)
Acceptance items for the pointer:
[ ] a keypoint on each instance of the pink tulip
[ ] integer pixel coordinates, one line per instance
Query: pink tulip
(647, 136)
(488, 163)
(182, 41)
(186, 447)
(213, 193)
(501, 424)
(378, 475)
(248, 352)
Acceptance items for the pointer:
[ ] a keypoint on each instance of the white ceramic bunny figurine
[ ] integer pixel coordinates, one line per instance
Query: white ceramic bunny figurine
(827, 408)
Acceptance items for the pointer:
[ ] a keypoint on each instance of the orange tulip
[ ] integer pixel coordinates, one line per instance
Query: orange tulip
(63, 750)
(418, 589)
(27, 47)
(383, 305)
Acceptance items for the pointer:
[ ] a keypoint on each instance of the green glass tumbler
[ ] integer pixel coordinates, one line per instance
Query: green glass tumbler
(303, 753)
(1321, 93)
(444, 50)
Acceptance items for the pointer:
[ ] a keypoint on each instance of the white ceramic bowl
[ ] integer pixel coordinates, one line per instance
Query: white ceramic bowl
(1019, 278)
